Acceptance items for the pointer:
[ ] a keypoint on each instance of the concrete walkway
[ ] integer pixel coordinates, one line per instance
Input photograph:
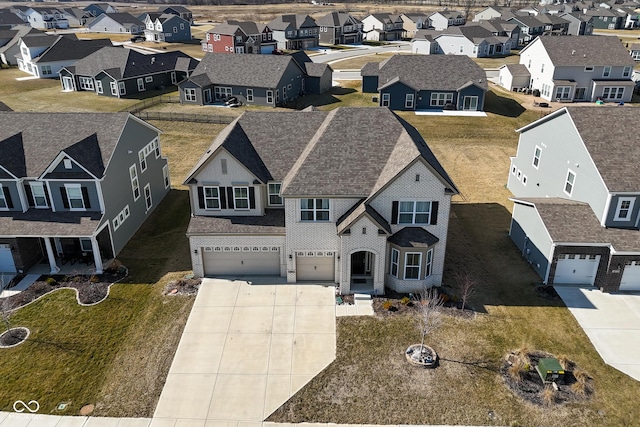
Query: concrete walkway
(23, 284)
(246, 349)
(612, 323)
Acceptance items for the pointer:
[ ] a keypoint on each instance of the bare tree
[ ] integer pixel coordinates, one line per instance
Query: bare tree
(465, 285)
(429, 315)
(467, 5)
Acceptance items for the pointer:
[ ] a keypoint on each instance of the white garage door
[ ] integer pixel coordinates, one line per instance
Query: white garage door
(631, 277)
(315, 266)
(6, 260)
(576, 269)
(256, 262)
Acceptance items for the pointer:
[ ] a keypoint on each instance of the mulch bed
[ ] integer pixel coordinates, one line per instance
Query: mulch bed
(185, 286)
(530, 387)
(401, 303)
(13, 336)
(91, 289)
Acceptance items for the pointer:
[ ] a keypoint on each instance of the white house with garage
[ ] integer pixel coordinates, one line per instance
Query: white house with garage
(353, 197)
(576, 187)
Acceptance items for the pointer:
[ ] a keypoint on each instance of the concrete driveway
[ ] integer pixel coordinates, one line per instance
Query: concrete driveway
(612, 323)
(247, 348)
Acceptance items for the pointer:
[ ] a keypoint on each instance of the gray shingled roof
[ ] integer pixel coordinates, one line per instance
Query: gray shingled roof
(124, 19)
(585, 51)
(335, 19)
(248, 27)
(315, 69)
(225, 28)
(272, 222)
(424, 72)
(39, 41)
(10, 19)
(350, 152)
(413, 237)
(635, 46)
(240, 70)
(23, 31)
(568, 221)
(297, 21)
(65, 49)
(128, 63)
(357, 211)
(44, 135)
(517, 69)
(39, 223)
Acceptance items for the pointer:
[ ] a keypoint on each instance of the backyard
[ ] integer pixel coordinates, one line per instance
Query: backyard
(116, 354)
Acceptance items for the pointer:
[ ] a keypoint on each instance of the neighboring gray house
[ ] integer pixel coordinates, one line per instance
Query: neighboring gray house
(339, 28)
(606, 18)
(577, 197)
(282, 78)
(75, 16)
(584, 68)
(180, 11)
(514, 77)
(502, 28)
(44, 56)
(11, 47)
(97, 9)
(126, 73)
(530, 27)
(355, 198)
(634, 51)
(166, 28)
(473, 41)
(9, 20)
(75, 187)
(434, 82)
(446, 18)
(383, 27)
(295, 32)
(579, 24)
(554, 24)
(116, 23)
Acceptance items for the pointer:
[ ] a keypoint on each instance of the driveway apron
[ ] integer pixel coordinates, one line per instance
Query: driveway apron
(246, 349)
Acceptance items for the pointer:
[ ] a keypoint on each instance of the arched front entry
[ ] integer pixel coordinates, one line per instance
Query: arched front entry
(362, 269)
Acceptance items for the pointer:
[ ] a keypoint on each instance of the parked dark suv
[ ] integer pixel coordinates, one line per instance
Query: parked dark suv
(138, 39)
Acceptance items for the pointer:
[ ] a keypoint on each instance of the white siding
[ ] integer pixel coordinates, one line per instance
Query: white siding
(356, 242)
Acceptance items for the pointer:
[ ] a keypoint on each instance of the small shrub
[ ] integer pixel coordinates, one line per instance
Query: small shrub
(114, 266)
(387, 305)
(405, 301)
(564, 362)
(516, 370)
(548, 396)
(579, 387)
(581, 375)
(50, 281)
(93, 279)
(523, 355)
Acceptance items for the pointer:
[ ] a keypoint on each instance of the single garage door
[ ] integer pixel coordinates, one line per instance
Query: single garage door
(6, 260)
(315, 266)
(256, 262)
(576, 269)
(631, 277)
(266, 49)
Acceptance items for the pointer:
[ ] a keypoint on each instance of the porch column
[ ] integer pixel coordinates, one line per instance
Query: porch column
(97, 258)
(50, 254)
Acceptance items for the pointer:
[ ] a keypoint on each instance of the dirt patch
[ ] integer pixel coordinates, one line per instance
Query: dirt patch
(91, 288)
(520, 375)
(185, 286)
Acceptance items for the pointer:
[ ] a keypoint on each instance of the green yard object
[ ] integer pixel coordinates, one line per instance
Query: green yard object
(550, 370)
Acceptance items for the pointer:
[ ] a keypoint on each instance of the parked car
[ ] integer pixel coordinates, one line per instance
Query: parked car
(138, 39)
(233, 102)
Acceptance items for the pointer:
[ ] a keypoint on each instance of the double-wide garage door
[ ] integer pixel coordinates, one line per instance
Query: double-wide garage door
(631, 277)
(256, 262)
(315, 265)
(576, 269)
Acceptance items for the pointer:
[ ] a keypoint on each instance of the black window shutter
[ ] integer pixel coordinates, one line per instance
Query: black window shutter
(46, 195)
(65, 201)
(252, 198)
(201, 197)
(230, 197)
(85, 197)
(434, 213)
(223, 198)
(7, 197)
(394, 212)
(27, 190)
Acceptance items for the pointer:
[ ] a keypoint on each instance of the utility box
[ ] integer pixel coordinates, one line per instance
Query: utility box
(550, 370)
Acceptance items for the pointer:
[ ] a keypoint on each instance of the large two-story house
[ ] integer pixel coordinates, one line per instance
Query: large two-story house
(45, 18)
(446, 18)
(239, 37)
(576, 191)
(339, 28)
(352, 196)
(383, 26)
(166, 27)
(75, 187)
(473, 41)
(295, 32)
(579, 68)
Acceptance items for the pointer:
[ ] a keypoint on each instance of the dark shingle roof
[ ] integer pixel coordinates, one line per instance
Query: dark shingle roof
(247, 27)
(240, 70)
(272, 222)
(39, 223)
(335, 19)
(177, 8)
(10, 19)
(64, 49)
(413, 237)
(424, 72)
(124, 19)
(315, 70)
(296, 21)
(585, 51)
(45, 135)
(39, 41)
(128, 63)
(4, 107)
(22, 31)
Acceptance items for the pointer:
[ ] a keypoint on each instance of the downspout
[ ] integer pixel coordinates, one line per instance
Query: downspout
(546, 276)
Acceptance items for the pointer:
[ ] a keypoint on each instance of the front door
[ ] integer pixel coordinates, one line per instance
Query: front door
(207, 96)
(470, 103)
(67, 83)
(358, 263)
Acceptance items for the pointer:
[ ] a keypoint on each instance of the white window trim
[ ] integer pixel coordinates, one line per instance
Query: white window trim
(606, 71)
(386, 99)
(406, 256)
(204, 192)
(39, 186)
(99, 86)
(533, 162)
(414, 212)
(269, 97)
(626, 71)
(190, 95)
(3, 199)
(269, 194)
(148, 201)
(396, 263)
(249, 95)
(165, 176)
(142, 158)
(135, 183)
(632, 201)
(315, 211)
(408, 100)
(428, 267)
(236, 198)
(78, 187)
(566, 181)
